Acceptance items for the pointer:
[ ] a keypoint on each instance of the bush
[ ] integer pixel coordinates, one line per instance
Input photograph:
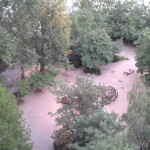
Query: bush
(23, 87)
(146, 79)
(42, 79)
(117, 46)
(2, 80)
(3, 66)
(68, 66)
(95, 71)
(20, 101)
(58, 146)
(118, 58)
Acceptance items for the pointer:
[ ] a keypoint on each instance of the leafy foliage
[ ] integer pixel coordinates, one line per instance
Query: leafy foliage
(143, 54)
(118, 58)
(121, 19)
(83, 123)
(38, 29)
(19, 24)
(20, 101)
(23, 87)
(7, 49)
(2, 81)
(40, 79)
(53, 39)
(138, 111)
(117, 46)
(96, 48)
(68, 66)
(3, 66)
(36, 80)
(13, 133)
(127, 20)
(89, 35)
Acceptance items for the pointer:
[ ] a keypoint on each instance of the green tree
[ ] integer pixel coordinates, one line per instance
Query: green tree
(89, 35)
(17, 21)
(138, 116)
(39, 28)
(124, 20)
(96, 48)
(52, 38)
(127, 20)
(83, 123)
(7, 49)
(85, 19)
(143, 54)
(98, 130)
(13, 132)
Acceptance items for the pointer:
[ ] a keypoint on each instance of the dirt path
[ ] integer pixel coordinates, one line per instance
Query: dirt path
(37, 106)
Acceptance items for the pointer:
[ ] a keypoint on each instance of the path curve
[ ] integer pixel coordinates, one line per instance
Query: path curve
(37, 106)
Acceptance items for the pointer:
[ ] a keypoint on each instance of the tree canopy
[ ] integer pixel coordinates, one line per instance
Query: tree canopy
(143, 54)
(138, 116)
(14, 133)
(127, 20)
(89, 35)
(124, 20)
(96, 48)
(40, 30)
(84, 125)
(7, 49)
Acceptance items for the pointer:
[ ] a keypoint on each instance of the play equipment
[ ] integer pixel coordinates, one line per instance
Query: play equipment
(110, 93)
(129, 72)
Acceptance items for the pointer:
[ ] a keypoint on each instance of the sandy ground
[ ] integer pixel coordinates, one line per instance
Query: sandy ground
(37, 106)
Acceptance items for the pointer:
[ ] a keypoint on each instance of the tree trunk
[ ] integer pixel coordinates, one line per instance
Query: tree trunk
(22, 73)
(42, 67)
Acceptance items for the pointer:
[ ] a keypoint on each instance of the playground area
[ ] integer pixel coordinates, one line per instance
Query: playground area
(37, 105)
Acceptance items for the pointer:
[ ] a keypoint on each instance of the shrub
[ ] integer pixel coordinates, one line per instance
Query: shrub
(95, 71)
(20, 101)
(3, 66)
(146, 79)
(117, 46)
(42, 79)
(58, 146)
(118, 58)
(68, 66)
(2, 80)
(23, 87)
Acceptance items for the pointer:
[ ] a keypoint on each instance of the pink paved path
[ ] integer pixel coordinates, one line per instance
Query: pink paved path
(37, 106)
